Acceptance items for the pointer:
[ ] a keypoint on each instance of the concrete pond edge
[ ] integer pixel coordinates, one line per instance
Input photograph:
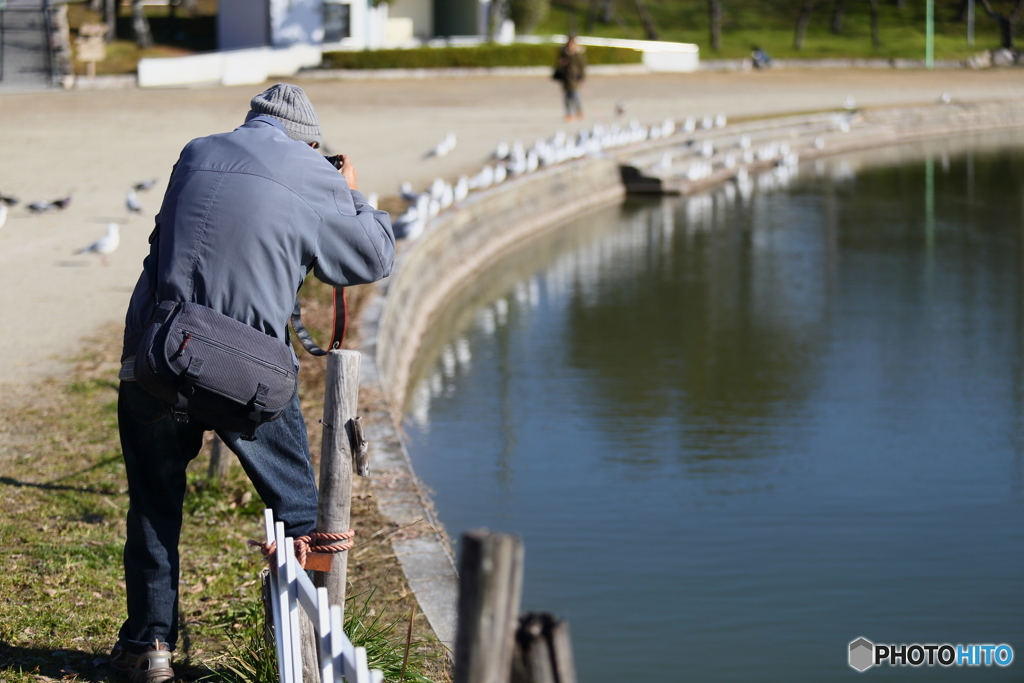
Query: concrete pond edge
(475, 233)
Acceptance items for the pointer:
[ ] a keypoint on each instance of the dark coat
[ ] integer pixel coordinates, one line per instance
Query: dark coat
(574, 65)
(246, 215)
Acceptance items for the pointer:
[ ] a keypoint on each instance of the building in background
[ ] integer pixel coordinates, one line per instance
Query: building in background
(346, 24)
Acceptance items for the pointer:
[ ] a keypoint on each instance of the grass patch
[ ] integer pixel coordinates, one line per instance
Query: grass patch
(251, 659)
(771, 24)
(475, 56)
(63, 501)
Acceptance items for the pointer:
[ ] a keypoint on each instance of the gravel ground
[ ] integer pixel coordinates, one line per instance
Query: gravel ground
(94, 144)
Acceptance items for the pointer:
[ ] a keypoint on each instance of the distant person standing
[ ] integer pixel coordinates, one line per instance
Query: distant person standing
(760, 59)
(571, 71)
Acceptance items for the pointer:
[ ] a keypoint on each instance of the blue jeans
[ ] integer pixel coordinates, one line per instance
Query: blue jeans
(157, 449)
(572, 103)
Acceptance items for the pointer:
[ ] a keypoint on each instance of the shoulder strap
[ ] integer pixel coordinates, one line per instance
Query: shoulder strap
(338, 332)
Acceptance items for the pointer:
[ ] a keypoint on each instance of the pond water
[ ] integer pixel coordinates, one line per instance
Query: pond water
(738, 431)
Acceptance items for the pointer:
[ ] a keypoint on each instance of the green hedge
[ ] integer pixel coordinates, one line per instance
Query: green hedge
(478, 56)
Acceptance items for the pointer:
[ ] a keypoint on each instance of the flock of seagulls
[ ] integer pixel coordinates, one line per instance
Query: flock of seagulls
(510, 160)
(105, 245)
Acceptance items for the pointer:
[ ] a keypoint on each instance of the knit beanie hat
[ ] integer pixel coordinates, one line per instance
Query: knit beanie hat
(289, 104)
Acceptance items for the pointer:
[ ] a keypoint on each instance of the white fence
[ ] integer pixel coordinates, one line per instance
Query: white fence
(290, 590)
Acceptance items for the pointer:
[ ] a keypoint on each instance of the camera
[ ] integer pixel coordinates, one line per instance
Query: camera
(334, 161)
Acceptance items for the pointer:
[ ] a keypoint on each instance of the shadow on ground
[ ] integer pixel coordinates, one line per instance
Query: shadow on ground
(80, 666)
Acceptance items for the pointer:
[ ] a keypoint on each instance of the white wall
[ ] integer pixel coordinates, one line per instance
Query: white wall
(420, 11)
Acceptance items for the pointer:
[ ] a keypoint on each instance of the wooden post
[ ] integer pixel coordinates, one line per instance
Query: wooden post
(341, 399)
(310, 651)
(220, 461)
(491, 584)
(543, 650)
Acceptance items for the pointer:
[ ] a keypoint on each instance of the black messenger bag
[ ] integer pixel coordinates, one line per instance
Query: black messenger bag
(226, 374)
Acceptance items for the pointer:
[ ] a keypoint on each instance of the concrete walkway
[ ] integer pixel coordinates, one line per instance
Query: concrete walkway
(94, 144)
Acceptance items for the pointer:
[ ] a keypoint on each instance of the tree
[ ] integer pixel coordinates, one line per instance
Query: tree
(715, 23)
(645, 19)
(1007, 23)
(876, 39)
(802, 19)
(140, 25)
(526, 14)
(838, 14)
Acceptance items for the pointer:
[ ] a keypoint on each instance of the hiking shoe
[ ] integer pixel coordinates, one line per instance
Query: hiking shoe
(151, 666)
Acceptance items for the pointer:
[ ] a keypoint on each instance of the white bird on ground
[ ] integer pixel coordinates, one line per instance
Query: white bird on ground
(483, 179)
(501, 150)
(144, 185)
(131, 202)
(744, 142)
(720, 121)
(3, 214)
(437, 188)
(42, 206)
(409, 225)
(447, 197)
(944, 98)
(690, 125)
(500, 173)
(819, 142)
(461, 189)
(849, 102)
(707, 122)
(665, 164)
(406, 192)
(708, 149)
(105, 245)
(532, 161)
(442, 148)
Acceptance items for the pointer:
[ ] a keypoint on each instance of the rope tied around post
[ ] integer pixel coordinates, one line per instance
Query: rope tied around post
(316, 543)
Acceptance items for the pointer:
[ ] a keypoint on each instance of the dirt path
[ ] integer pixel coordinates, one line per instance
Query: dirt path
(94, 144)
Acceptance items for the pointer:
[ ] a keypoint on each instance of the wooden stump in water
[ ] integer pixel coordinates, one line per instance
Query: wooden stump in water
(491, 573)
(543, 650)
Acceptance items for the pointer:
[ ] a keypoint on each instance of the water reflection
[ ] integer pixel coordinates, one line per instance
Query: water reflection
(778, 402)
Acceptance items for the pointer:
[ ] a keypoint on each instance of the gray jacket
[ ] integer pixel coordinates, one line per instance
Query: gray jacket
(245, 217)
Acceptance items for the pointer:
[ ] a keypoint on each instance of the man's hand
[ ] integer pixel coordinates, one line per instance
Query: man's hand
(349, 171)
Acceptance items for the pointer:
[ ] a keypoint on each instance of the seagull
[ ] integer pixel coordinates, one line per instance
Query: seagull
(144, 185)
(131, 202)
(442, 148)
(461, 189)
(406, 191)
(665, 164)
(39, 207)
(3, 214)
(944, 98)
(620, 108)
(43, 206)
(501, 151)
(8, 200)
(849, 102)
(104, 245)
